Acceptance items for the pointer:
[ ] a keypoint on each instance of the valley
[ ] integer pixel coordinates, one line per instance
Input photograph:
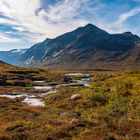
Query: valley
(81, 85)
(69, 70)
(47, 104)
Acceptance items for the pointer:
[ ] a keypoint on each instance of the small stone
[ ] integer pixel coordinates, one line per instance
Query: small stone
(113, 89)
(76, 97)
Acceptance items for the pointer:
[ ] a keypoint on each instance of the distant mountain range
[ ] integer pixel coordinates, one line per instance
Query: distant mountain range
(87, 47)
(12, 56)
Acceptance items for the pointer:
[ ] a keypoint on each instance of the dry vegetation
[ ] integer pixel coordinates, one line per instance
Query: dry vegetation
(107, 110)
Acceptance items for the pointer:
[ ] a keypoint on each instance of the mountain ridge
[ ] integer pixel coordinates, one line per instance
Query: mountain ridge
(98, 45)
(88, 46)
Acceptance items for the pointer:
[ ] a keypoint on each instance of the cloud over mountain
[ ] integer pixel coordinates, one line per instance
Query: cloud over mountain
(31, 21)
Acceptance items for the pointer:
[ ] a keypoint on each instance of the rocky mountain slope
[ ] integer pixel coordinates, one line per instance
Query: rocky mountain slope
(34, 54)
(87, 47)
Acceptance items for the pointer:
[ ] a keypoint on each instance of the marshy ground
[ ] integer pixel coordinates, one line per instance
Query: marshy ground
(107, 109)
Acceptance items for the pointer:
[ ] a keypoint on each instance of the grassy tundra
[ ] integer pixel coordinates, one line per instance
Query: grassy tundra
(106, 110)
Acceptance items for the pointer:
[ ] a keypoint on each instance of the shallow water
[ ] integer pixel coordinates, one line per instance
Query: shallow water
(13, 96)
(36, 100)
(77, 74)
(39, 81)
(33, 101)
(84, 81)
(42, 87)
(86, 85)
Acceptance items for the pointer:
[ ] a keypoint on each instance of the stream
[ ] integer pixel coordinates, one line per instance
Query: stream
(37, 99)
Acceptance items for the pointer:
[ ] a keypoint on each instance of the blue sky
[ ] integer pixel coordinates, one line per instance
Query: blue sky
(26, 22)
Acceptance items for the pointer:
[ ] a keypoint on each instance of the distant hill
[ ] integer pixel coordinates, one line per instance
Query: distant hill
(12, 56)
(5, 66)
(87, 47)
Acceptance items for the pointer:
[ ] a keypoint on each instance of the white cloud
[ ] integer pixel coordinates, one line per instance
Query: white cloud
(34, 24)
(123, 17)
(57, 20)
(7, 39)
(20, 29)
(121, 24)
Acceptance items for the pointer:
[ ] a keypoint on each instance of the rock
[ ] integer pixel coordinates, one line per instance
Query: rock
(76, 97)
(68, 79)
(20, 98)
(113, 89)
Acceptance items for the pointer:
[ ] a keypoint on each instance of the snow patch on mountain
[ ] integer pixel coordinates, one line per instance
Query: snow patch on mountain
(72, 51)
(21, 51)
(56, 54)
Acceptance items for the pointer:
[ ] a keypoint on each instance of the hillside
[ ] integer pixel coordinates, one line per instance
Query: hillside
(3, 64)
(34, 54)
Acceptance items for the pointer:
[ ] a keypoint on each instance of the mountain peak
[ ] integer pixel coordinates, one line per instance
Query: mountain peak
(89, 25)
(94, 29)
(129, 34)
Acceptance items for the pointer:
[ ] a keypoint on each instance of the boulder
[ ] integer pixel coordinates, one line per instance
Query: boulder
(76, 97)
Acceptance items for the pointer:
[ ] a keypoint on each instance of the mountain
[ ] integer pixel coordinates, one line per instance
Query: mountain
(12, 56)
(87, 47)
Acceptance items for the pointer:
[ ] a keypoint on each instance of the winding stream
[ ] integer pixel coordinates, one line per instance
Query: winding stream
(37, 99)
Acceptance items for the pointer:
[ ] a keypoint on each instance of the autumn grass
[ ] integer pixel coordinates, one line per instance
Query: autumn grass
(109, 109)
